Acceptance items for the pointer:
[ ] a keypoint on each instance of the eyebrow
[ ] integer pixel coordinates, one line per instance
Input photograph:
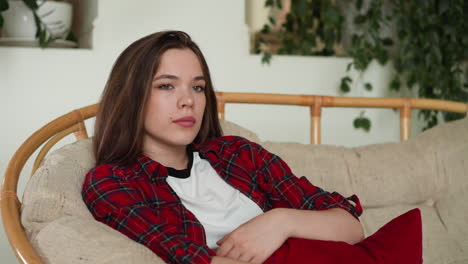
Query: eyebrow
(173, 77)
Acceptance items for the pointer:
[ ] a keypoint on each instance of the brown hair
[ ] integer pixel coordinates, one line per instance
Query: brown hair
(118, 134)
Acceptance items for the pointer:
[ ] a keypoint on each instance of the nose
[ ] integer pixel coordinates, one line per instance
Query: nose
(185, 98)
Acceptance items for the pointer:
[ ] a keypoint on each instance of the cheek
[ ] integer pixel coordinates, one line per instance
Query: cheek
(149, 120)
(153, 113)
(202, 104)
(158, 104)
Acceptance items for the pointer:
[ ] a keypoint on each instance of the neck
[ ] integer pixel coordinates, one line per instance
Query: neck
(169, 156)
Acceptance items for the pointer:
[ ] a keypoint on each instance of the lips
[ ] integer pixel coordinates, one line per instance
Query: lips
(186, 121)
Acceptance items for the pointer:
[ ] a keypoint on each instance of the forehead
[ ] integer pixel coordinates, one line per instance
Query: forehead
(183, 61)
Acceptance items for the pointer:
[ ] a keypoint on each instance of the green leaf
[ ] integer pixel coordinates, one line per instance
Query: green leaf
(368, 86)
(344, 86)
(395, 84)
(257, 50)
(269, 3)
(266, 58)
(357, 123)
(362, 123)
(382, 56)
(356, 39)
(360, 19)
(38, 23)
(411, 81)
(31, 4)
(332, 16)
(272, 20)
(359, 4)
(365, 124)
(301, 8)
(387, 42)
(279, 4)
(4, 5)
(42, 38)
(437, 54)
(266, 29)
(71, 37)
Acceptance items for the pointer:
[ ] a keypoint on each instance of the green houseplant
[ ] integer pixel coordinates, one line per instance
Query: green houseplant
(46, 32)
(429, 49)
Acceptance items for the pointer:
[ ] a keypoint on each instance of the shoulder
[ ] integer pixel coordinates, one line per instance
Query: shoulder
(234, 146)
(105, 178)
(104, 170)
(228, 143)
(107, 171)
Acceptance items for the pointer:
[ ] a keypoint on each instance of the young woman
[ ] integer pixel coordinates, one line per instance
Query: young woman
(167, 178)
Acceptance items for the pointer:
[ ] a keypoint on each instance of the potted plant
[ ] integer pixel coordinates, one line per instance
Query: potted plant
(35, 20)
(428, 49)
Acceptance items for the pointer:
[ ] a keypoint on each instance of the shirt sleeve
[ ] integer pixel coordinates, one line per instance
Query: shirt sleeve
(276, 178)
(116, 203)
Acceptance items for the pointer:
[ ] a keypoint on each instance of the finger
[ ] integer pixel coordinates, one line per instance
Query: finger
(221, 240)
(246, 257)
(258, 259)
(234, 253)
(224, 249)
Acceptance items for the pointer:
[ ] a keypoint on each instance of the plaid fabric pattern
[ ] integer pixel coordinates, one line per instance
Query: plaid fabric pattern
(137, 201)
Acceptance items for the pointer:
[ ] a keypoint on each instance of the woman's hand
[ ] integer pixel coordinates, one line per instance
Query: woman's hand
(221, 260)
(255, 240)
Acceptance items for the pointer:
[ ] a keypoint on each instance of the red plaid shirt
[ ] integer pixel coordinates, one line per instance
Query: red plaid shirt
(137, 201)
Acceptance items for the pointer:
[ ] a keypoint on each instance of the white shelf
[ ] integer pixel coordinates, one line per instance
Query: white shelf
(19, 42)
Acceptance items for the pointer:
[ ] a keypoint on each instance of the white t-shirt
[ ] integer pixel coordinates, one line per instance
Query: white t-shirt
(218, 206)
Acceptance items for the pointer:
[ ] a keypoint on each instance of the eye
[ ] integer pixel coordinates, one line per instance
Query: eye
(165, 86)
(199, 88)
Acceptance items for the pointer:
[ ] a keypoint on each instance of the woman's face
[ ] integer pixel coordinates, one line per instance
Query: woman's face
(176, 102)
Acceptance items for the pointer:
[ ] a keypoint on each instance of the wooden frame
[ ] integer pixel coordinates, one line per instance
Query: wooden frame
(317, 102)
(73, 122)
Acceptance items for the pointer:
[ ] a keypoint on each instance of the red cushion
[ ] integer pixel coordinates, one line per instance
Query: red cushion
(399, 241)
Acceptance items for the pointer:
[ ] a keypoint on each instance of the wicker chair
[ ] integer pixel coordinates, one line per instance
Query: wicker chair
(73, 122)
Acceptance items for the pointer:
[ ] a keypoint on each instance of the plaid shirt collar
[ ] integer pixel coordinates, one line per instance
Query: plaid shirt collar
(156, 170)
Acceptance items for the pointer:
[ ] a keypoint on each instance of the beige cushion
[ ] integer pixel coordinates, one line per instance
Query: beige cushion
(421, 169)
(232, 129)
(54, 191)
(72, 239)
(429, 172)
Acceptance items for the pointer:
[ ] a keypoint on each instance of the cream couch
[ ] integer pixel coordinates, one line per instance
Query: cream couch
(429, 171)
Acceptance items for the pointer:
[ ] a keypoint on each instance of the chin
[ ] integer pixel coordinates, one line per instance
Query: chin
(183, 141)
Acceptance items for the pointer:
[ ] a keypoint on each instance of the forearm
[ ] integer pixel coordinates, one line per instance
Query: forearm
(222, 260)
(333, 224)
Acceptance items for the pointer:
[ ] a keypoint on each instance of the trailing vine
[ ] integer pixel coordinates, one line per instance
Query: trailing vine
(429, 50)
(3, 7)
(433, 51)
(310, 28)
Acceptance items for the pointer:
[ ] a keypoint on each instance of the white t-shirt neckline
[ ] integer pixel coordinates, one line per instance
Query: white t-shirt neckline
(218, 206)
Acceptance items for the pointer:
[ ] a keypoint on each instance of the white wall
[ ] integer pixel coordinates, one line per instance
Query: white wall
(38, 85)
